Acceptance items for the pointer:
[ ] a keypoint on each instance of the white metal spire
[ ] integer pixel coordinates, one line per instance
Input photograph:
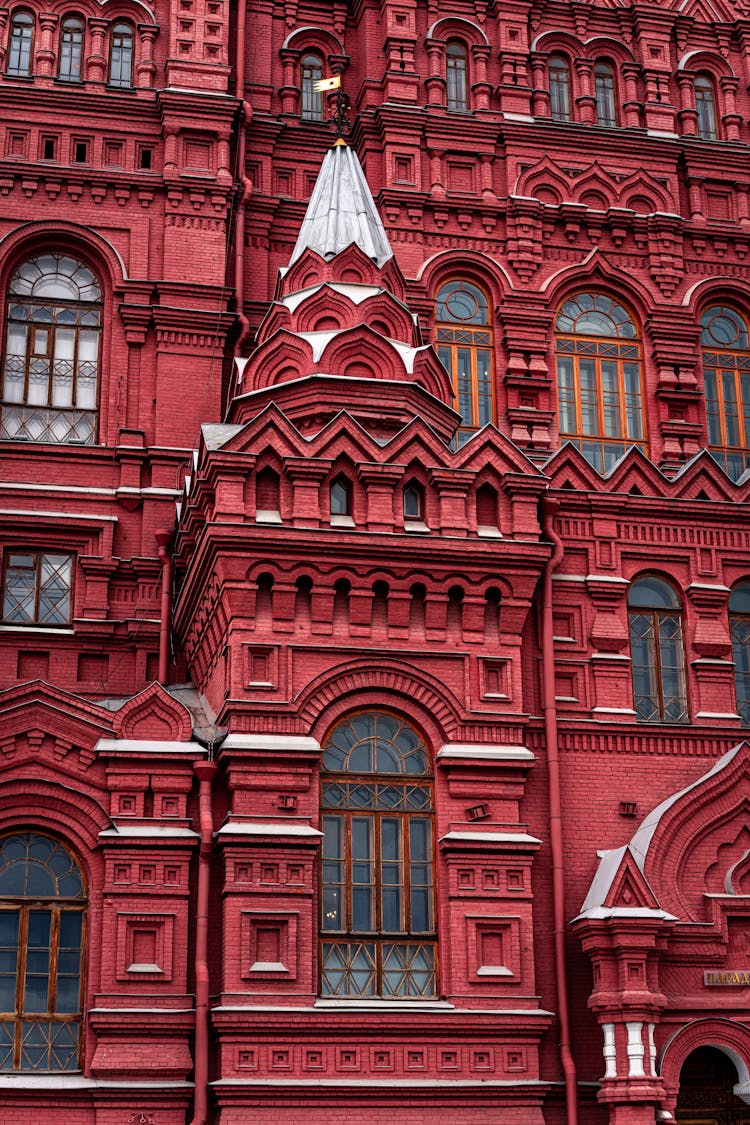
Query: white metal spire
(342, 211)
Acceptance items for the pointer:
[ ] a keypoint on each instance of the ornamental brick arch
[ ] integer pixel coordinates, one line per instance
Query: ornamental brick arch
(75, 817)
(596, 272)
(709, 61)
(679, 840)
(466, 265)
(153, 714)
(730, 1037)
(601, 47)
(392, 685)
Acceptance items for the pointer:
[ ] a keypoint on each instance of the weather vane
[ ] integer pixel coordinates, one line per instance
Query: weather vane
(340, 117)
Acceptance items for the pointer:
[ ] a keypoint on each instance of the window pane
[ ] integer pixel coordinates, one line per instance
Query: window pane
(362, 873)
(9, 922)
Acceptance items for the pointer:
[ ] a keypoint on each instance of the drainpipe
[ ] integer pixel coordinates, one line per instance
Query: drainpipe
(245, 185)
(163, 538)
(204, 771)
(549, 508)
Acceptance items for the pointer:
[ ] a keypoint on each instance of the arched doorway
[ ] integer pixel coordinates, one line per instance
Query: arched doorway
(706, 1096)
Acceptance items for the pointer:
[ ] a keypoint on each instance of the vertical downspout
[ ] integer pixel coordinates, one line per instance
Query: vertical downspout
(245, 185)
(549, 508)
(162, 538)
(204, 771)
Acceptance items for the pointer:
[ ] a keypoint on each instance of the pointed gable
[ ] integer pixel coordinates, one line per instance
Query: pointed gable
(153, 715)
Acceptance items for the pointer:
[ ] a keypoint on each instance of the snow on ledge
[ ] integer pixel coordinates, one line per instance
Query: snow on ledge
(272, 828)
(147, 746)
(491, 837)
(295, 743)
(490, 753)
(148, 832)
(625, 912)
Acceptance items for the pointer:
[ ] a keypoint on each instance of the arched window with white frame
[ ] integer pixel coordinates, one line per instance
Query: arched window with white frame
(378, 924)
(311, 72)
(559, 88)
(42, 945)
(657, 651)
(725, 353)
(599, 378)
(20, 44)
(457, 77)
(53, 318)
(605, 94)
(705, 106)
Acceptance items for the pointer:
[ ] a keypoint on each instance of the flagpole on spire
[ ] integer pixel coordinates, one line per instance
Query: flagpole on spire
(340, 117)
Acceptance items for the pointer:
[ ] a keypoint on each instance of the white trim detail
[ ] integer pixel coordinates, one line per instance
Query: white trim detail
(635, 1049)
(609, 1050)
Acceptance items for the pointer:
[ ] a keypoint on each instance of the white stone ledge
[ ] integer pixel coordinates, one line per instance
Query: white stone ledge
(487, 752)
(292, 743)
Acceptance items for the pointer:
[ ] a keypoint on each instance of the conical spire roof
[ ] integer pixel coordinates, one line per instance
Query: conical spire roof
(342, 211)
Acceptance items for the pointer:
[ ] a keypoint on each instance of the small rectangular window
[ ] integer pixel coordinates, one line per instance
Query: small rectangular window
(146, 159)
(81, 152)
(49, 148)
(37, 588)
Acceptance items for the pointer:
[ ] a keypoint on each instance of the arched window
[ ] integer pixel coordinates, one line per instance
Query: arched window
(53, 319)
(656, 651)
(341, 498)
(559, 88)
(599, 389)
(739, 626)
(604, 89)
(71, 49)
(377, 890)
(725, 345)
(457, 78)
(312, 100)
(705, 104)
(121, 56)
(464, 341)
(20, 42)
(42, 931)
(413, 502)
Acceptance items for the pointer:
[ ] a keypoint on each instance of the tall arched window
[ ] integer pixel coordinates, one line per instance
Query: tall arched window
(377, 889)
(657, 652)
(464, 341)
(312, 100)
(20, 41)
(42, 931)
(53, 319)
(71, 49)
(725, 351)
(705, 104)
(457, 78)
(599, 387)
(121, 56)
(559, 88)
(739, 626)
(604, 90)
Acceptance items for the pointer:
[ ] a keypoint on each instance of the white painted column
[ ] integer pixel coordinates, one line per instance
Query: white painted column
(635, 1050)
(652, 1048)
(610, 1051)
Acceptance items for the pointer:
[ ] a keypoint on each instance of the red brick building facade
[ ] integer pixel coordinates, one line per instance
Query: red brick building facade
(375, 563)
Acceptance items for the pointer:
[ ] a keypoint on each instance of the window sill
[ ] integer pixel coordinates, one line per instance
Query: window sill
(416, 527)
(380, 1004)
(342, 521)
(52, 630)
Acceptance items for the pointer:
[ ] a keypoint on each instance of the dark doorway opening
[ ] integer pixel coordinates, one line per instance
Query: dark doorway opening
(706, 1096)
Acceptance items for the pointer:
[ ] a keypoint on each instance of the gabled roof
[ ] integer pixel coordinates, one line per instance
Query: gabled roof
(342, 211)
